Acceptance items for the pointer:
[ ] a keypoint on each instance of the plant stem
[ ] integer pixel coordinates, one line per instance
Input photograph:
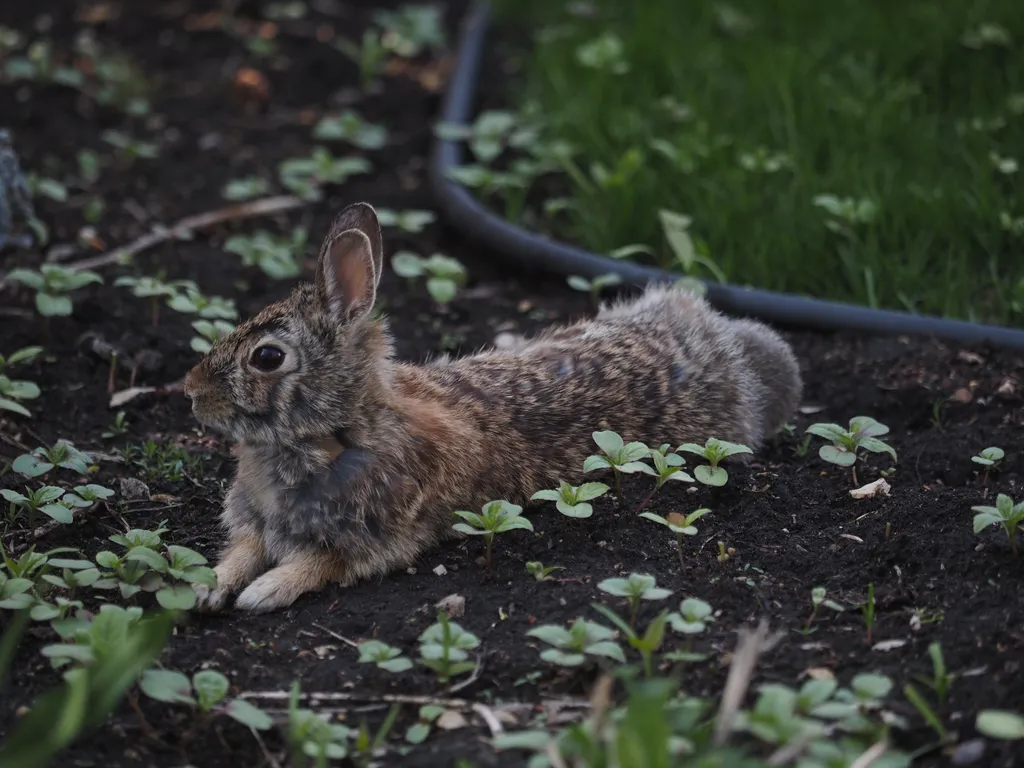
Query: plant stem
(634, 605)
(679, 549)
(646, 500)
(618, 482)
(853, 469)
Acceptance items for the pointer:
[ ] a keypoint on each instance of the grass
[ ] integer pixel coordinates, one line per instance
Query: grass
(739, 116)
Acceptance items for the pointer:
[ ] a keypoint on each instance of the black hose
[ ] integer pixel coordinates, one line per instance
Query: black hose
(526, 248)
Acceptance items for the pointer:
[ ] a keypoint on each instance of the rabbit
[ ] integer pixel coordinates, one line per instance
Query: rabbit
(351, 463)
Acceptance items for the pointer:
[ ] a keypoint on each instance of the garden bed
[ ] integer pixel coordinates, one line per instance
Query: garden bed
(788, 517)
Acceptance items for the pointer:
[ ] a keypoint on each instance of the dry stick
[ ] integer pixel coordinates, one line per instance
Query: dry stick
(271, 760)
(741, 670)
(872, 754)
(262, 207)
(469, 680)
(336, 636)
(485, 713)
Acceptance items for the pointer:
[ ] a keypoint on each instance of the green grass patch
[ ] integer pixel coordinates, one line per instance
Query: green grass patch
(859, 150)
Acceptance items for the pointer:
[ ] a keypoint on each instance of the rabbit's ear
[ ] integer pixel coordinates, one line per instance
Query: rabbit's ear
(351, 262)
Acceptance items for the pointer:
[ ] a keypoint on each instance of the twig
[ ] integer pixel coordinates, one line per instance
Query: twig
(262, 207)
(485, 713)
(744, 659)
(336, 636)
(263, 747)
(872, 754)
(469, 680)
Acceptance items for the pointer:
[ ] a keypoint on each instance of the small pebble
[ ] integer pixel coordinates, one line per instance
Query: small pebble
(441, 570)
(453, 605)
(450, 720)
(133, 488)
(969, 752)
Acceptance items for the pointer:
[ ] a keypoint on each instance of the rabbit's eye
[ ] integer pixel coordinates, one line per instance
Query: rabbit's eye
(267, 358)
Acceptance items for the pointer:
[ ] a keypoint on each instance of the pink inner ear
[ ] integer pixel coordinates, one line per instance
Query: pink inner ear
(353, 274)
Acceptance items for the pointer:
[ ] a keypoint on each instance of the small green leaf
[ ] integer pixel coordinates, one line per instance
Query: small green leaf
(248, 715)
(714, 476)
(1000, 724)
(177, 598)
(167, 685)
(211, 687)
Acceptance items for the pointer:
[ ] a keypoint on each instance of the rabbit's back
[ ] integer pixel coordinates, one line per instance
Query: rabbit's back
(664, 368)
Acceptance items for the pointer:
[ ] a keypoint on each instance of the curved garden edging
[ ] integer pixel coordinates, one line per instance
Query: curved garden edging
(521, 246)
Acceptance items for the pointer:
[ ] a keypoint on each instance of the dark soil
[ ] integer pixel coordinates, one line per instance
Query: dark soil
(789, 518)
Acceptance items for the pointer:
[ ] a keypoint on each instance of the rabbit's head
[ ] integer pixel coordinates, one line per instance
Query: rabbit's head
(301, 367)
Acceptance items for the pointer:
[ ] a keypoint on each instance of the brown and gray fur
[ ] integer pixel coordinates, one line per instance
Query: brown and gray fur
(350, 463)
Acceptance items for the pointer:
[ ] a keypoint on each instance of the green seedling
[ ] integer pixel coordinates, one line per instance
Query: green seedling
(1000, 724)
(143, 568)
(595, 286)
(13, 390)
(206, 694)
(1006, 513)
(418, 731)
(46, 500)
(412, 221)
(52, 283)
(443, 647)
(635, 587)
(411, 29)
(349, 126)
(304, 176)
(990, 459)
(39, 65)
(497, 517)
(571, 500)
(61, 454)
(693, 617)
(667, 466)
(713, 451)
(192, 302)
(168, 462)
(246, 188)
(311, 737)
(96, 641)
(279, 258)
(846, 213)
(210, 332)
(941, 679)
(802, 447)
(573, 645)
(85, 496)
(541, 572)
(49, 188)
(867, 609)
(130, 149)
(152, 288)
(818, 599)
(926, 711)
(863, 433)
(687, 255)
(618, 456)
(680, 525)
(646, 644)
(118, 428)
(19, 357)
(445, 275)
(383, 656)
(369, 56)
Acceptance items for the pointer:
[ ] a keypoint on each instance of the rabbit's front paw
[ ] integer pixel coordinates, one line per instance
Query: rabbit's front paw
(282, 586)
(210, 600)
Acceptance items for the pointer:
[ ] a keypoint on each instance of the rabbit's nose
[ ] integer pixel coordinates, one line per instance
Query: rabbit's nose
(188, 387)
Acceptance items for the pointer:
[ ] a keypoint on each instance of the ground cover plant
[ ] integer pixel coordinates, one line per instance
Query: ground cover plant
(621, 627)
(860, 125)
